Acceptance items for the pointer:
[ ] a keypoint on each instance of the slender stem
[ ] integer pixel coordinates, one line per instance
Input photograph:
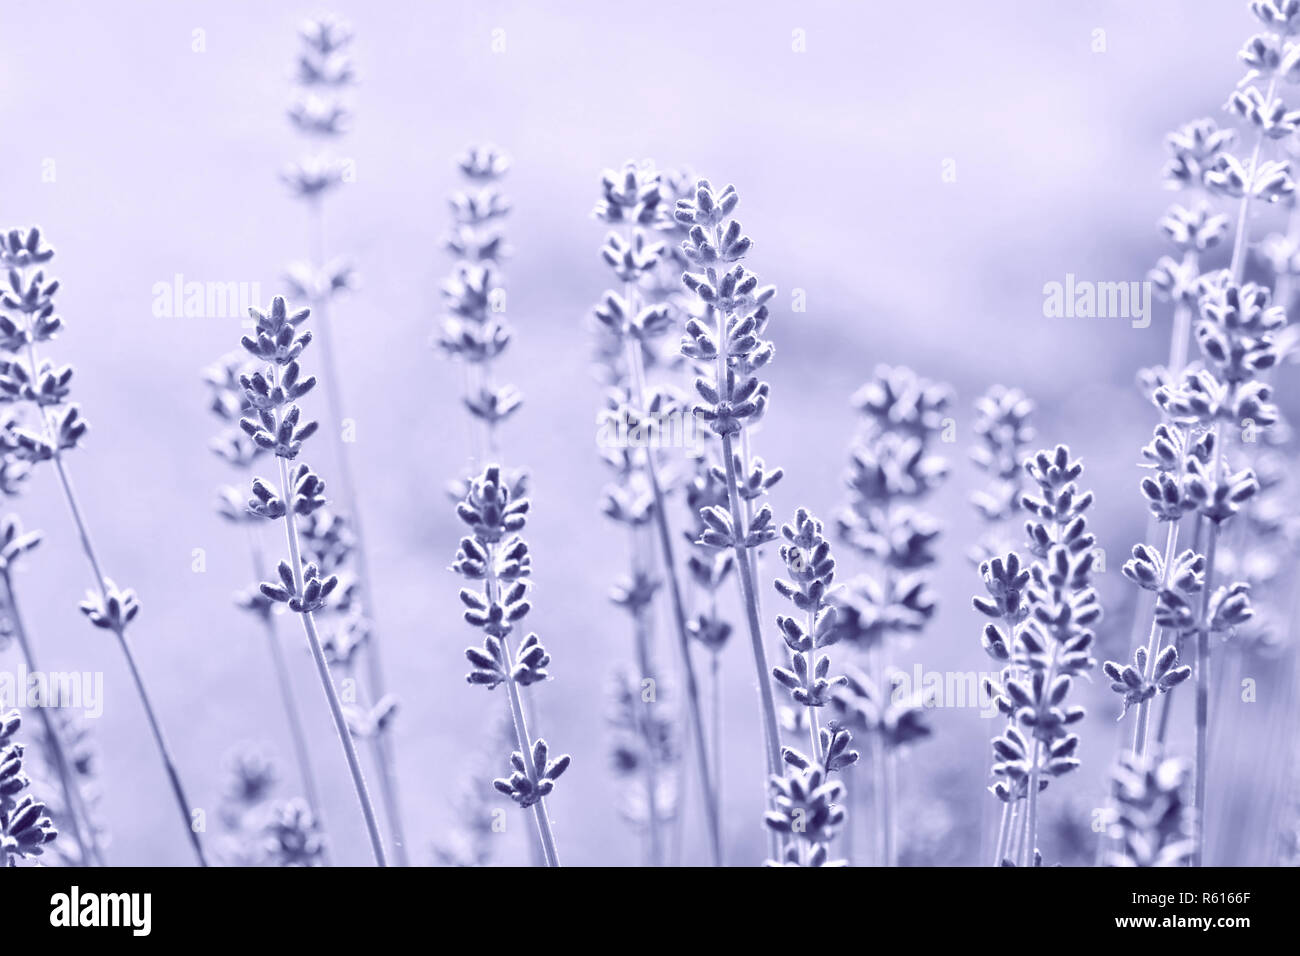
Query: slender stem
(650, 738)
(1004, 830)
(715, 691)
(382, 753)
(767, 700)
(88, 548)
(855, 802)
(327, 681)
(169, 765)
(1240, 240)
(746, 459)
(296, 733)
(1031, 820)
(1179, 339)
(76, 807)
(880, 759)
(1203, 694)
(708, 781)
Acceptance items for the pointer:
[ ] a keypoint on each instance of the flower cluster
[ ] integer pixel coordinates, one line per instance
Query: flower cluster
(1155, 821)
(25, 829)
(733, 395)
(45, 388)
(495, 554)
(260, 831)
(892, 468)
(808, 561)
(1002, 424)
(275, 424)
(805, 805)
(644, 755)
(810, 808)
(474, 328)
(319, 110)
(1041, 629)
(707, 567)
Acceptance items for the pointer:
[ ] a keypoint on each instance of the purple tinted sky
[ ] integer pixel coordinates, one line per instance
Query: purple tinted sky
(166, 163)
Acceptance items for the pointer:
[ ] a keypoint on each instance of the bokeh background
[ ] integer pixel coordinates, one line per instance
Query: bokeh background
(166, 162)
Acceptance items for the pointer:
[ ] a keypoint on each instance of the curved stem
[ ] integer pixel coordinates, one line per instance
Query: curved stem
(170, 765)
(164, 752)
(650, 738)
(708, 781)
(75, 805)
(381, 751)
(327, 681)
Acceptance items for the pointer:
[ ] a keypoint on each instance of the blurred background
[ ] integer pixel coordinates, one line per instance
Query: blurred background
(918, 177)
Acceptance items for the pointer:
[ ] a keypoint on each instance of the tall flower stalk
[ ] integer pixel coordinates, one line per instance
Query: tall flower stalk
(276, 426)
(475, 330)
(1002, 423)
(58, 429)
(320, 112)
(496, 557)
(642, 422)
(229, 403)
(807, 678)
(1046, 641)
(729, 344)
(892, 470)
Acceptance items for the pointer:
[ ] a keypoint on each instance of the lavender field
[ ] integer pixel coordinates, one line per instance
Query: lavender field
(731, 434)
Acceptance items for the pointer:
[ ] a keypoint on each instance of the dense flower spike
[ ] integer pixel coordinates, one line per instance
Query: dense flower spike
(474, 329)
(496, 554)
(808, 560)
(1041, 630)
(809, 808)
(1002, 423)
(25, 828)
(892, 468)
